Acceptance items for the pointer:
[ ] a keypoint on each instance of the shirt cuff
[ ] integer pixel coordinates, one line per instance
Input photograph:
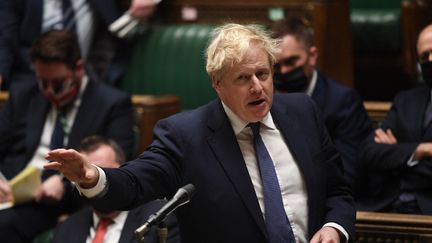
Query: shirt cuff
(339, 228)
(98, 189)
(411, 162)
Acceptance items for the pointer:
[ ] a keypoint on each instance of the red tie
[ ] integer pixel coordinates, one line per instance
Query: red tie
(101, 230)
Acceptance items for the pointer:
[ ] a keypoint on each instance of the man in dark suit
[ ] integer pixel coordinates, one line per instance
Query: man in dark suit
(22, 21)
(59, 109)
(345, 117)
(81, 227)
(264, 169)
(397, 158)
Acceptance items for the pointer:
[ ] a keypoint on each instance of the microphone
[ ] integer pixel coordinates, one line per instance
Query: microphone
(181, 197)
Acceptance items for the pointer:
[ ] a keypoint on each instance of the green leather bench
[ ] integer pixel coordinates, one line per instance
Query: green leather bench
(376, 25)
(169, 59)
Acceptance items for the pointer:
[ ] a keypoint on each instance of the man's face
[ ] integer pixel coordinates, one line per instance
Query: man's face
(104, 156)
(247, 87)
(295, 54)
(58, 83)
(424, 46)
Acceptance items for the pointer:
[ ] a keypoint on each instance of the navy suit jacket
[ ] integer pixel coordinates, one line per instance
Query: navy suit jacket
(103, 111)
(200, 147)
(386, 169)
(20, 25)
(76, 228)
(346, 120)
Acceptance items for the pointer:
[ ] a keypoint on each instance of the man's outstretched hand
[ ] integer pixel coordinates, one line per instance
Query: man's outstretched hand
(73, 166)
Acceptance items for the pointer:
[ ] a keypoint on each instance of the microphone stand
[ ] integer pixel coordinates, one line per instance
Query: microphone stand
(162, 233)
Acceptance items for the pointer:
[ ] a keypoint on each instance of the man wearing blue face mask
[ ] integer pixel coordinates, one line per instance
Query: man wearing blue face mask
(345, 117)
(398, 157)
(59, 109)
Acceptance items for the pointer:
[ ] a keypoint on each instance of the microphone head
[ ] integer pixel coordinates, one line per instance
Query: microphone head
(185, 193)
(190, 189)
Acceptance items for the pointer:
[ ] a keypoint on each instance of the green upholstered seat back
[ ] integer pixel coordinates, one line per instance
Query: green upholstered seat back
(169, 59)
(376, 25)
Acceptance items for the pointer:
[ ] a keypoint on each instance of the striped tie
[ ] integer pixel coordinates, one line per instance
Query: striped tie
(69, 21)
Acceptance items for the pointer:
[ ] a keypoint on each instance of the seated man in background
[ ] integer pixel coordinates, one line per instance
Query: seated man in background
(345, 117)
(82, 226)
(398, 157)
(58, 109)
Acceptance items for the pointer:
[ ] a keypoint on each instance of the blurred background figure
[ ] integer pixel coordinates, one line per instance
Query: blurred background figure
(82, 226)
(398, 156)
(295, 71)
(106, 56)
(58, 110)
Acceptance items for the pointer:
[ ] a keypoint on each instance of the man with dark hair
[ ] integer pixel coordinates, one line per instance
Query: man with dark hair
(398, 157)
(295, 71)
(58, 110)
(84, 225)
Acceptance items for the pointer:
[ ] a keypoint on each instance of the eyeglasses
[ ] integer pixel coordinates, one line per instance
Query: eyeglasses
(425, 56)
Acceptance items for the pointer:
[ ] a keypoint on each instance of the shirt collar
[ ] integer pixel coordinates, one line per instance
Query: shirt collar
(311, 87)
(238, 124)
(120, 218)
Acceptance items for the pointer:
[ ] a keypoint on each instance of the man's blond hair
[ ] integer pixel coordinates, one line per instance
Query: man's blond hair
(230, 43)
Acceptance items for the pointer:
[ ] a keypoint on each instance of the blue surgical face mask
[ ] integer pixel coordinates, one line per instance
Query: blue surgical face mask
(426, 69)
(293, 81)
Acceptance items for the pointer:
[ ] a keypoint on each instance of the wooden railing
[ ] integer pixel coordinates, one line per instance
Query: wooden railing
(377, 110)
(372, 227)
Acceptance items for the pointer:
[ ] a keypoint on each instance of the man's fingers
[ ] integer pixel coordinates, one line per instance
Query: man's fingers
(52, 165)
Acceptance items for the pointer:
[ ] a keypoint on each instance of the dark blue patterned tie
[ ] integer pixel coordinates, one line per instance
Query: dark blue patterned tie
(278, 226)
(57, 137)
(69, 21)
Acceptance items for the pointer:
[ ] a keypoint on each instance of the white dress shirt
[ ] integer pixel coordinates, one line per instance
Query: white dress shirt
(114, 230)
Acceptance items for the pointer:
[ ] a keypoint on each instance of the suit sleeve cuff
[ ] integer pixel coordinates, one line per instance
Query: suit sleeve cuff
(98, 190)
(340, 229)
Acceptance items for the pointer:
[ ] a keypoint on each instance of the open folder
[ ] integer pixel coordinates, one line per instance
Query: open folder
(24, 186)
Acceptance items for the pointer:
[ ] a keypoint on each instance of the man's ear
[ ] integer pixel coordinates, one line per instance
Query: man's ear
(79, 66)
(215, 83)
(313, 56)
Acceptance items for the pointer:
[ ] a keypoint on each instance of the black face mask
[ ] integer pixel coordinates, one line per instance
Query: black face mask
(426, 69)
(293, 81)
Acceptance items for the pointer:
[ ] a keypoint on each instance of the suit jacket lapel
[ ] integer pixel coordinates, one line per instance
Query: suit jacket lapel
(318, 94)
(132, 222)
(83, 120)
(227, 151)
(297, 145)
(35, 120)
(423, 102)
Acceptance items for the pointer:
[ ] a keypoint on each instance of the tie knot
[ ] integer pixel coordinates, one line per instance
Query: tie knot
(255, 126)
(104, 222)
